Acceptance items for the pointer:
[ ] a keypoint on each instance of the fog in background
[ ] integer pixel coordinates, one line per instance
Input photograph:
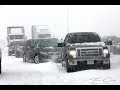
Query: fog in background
(103, 19)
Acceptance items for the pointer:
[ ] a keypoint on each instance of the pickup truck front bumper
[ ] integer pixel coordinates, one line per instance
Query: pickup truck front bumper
(89, 61)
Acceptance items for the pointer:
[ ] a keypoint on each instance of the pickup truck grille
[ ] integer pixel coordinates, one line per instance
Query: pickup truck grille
(89, 52)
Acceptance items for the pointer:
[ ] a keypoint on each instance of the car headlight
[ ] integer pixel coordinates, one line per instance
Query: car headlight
(105, 51)
(72, 53)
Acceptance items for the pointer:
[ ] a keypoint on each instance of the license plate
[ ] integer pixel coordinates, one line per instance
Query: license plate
(90, 62)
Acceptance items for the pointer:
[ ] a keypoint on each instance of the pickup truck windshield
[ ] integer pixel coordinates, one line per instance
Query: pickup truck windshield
(83, 38)
(47, 42)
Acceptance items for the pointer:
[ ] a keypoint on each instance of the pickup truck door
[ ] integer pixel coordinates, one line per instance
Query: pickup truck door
(65, 48)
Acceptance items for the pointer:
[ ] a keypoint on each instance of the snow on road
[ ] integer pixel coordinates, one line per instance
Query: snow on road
(15, 72)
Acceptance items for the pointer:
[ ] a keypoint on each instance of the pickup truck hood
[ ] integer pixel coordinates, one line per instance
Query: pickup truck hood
(93, 44)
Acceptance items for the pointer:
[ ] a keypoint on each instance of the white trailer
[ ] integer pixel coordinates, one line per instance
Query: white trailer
(15, 33)
(41, 31)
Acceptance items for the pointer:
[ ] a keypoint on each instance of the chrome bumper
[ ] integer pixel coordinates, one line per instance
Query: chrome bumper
(89, 59)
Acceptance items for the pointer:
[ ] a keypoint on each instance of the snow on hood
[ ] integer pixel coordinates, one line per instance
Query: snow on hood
(49, 47)
(89, 44)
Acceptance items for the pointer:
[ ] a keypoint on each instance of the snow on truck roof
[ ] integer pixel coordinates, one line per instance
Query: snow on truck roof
(80, 33)
(15, 27)
(16, 34)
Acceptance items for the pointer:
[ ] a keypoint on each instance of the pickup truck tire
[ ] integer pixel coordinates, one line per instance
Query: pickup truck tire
(0, 66)
(70, 68)
(106, 66)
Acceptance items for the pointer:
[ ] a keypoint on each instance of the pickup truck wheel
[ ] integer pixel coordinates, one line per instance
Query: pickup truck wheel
(69, 68)
(106, 66)
(0, 66)
(37, 59)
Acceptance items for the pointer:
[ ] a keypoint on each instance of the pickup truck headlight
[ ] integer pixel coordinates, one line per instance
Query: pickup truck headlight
(72, 53)
(105, 51)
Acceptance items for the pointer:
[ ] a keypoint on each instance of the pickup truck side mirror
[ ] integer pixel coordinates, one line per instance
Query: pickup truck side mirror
(61, 44)
(108, 42)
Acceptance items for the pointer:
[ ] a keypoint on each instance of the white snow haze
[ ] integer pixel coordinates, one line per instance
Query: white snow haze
(104, 19)
(61, 19)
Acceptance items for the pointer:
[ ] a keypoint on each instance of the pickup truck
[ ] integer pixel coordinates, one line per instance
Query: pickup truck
(84, 49)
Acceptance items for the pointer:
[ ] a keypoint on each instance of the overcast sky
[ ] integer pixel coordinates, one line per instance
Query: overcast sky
(103, 19)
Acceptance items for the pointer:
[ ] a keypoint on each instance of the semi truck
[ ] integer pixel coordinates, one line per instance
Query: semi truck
(41, 31)
(15, 34)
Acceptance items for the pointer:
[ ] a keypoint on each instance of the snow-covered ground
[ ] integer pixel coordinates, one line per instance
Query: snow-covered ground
(15, 72)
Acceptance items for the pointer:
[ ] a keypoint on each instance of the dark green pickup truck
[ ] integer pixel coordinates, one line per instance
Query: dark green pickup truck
(84, 49)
